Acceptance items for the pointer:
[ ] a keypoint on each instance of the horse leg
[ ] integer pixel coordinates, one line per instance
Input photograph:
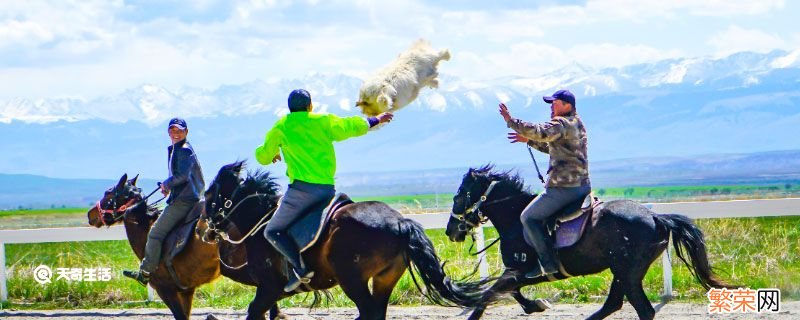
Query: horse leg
(275, 313)
(186, 298)
(383, 284)
(173, 302)
(530, 306)
(266, 297)
(613, 301)
(639, 300)
(506, 283)
(356, 288)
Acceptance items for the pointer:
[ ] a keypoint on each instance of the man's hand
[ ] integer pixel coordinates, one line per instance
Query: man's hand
(385, 117)
(164, 190)
(516, 137)
(504, 112)
(277, 158)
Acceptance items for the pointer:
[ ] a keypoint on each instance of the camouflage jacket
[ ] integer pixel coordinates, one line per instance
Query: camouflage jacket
(564, 138)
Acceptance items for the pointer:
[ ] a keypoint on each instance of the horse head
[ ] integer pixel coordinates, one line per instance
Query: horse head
(229, 196)
(218, 197)
(480, 188)
(115, 203)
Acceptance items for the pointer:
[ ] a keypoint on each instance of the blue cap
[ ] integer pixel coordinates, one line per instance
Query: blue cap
(177, 122)
(563, 95)
(299, 100)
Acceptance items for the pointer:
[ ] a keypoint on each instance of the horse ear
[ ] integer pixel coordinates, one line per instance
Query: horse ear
(122, 181)
(133, 181)
(238, 168)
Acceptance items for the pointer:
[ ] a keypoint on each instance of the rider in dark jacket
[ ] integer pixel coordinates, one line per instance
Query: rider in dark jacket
(184, 186)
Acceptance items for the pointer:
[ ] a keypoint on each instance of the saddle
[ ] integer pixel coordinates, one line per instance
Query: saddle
(306, 231)
(177, 239)
(569, 223)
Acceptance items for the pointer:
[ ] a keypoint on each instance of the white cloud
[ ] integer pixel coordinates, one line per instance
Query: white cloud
(25, 33)
(345, 104)
(46, 45)
(530, 59)
(436, 101)
(735, 39)
(641, 10)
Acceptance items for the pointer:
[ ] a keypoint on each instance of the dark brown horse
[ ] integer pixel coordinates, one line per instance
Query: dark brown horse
(364, 241)
(623, 236)
(199, 262)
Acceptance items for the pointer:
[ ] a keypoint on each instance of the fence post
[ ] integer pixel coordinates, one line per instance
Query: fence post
(3, 287)
(666, 262)
(150, 293)
(483, 266)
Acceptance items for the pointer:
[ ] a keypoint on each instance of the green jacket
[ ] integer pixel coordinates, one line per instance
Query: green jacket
(306, 141)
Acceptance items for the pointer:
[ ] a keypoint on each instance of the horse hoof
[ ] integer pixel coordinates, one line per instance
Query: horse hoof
(281, 316)
(211, 317)
(542, 303)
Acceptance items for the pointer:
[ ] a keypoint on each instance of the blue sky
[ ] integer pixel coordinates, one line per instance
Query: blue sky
(91, 48)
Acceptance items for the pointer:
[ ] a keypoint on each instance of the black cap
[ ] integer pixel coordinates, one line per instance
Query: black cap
(299, 100)
(563, 95)
(177, 122)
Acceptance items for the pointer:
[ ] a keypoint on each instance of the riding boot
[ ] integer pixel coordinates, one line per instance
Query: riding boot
(300, 273)
(543, 244)
(141, 276)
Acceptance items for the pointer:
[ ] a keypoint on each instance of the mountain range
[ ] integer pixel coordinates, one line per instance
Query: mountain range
(744, 103)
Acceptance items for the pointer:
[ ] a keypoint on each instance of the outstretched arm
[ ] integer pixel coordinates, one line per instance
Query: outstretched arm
(345, 128)
(539, 132)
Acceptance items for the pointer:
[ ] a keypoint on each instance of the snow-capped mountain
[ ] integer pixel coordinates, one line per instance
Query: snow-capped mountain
(742, 103)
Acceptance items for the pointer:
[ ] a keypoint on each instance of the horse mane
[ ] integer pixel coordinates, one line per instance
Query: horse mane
(509, 178)
(259, 181)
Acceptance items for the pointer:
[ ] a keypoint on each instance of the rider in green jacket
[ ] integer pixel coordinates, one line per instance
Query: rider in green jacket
(306, 141)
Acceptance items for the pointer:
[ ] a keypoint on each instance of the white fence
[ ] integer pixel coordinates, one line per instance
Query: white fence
(711, 209)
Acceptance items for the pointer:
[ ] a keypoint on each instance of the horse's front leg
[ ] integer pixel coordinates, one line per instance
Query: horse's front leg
(507, 282)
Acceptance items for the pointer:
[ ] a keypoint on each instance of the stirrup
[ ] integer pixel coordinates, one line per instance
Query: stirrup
(296, 280)
(140, 276)
(539, 272)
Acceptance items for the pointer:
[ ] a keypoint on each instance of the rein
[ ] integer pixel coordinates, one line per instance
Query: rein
(114, 212)
(226, 217)
(536, 165)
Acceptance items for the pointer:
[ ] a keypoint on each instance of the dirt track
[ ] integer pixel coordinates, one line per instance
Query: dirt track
(790, 310)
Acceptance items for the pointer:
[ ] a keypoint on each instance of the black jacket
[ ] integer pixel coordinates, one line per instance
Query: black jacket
(185, 182)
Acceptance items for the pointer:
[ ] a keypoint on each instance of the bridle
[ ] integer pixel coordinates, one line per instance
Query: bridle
(223, 215)
(465, 223)
(117, 213)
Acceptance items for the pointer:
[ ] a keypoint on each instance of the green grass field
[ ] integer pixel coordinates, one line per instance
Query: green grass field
(754, 252)
(644, 194)
(424, 203)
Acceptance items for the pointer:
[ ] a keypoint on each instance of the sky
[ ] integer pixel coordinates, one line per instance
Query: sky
(88, 48)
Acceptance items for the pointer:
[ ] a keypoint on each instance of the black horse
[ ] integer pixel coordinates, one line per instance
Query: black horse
(622, 235)
(363, 241)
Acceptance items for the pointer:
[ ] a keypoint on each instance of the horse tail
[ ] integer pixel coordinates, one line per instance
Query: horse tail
(688, 239)
(439, 288)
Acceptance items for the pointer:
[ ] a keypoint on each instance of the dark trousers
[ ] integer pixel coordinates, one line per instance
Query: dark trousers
(299, 198)
(173, 215)
(547, 204)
